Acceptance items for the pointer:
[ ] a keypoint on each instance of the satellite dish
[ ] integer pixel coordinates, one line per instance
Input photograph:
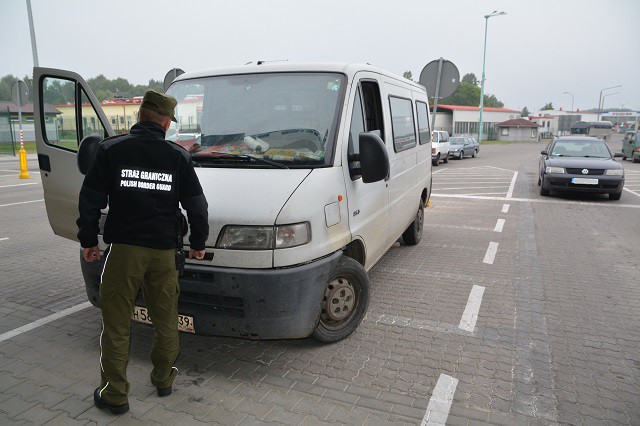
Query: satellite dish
(171, 75)
(449, 77)
(19, 93)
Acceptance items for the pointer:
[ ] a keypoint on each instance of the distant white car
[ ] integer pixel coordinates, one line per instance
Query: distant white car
(439, 146)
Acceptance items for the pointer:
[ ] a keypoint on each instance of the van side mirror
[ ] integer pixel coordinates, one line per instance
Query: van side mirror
(374, 159)
(86, 151)
(544, 153)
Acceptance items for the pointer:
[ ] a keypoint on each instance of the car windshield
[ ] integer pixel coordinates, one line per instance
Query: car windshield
(285, 118)
(580, 148)
(456, 141)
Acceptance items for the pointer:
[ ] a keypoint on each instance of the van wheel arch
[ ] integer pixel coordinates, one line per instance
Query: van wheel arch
(356, 251)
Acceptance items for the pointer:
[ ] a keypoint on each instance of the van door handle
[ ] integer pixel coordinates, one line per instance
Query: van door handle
(44, 163)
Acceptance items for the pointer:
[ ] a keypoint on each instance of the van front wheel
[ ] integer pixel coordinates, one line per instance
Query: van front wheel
(412, 235)
(345, 302)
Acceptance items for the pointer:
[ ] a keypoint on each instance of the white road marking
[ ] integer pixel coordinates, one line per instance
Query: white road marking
(22, 202)
(438, 171)
(633, 192)
(505, 208)
(535, 200)
(16, 174)
(440, 402)
(3, 239)
(470, 314)
(7, 170)
(499, 225)
(19, 184)
(487, 193)
(500, 168)
(474, 187)
(42, 321)
(490, 255)
(513, 185)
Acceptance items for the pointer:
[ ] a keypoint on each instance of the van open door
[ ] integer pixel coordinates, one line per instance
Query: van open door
(65, 111)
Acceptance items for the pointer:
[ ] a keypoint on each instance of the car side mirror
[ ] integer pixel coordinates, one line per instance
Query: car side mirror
(86, 151)
(617, 154)
(544, 153)
(374, 158)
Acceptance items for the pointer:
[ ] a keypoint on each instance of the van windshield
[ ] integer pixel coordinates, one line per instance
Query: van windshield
(284, 120)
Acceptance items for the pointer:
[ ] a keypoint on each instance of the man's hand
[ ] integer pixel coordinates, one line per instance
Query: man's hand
(91, 254)
(198, 254)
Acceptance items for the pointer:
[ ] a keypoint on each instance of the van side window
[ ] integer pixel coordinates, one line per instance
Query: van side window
(423, 123)
(403, 126)
(372, 106)
(59, 102)
(357, 127)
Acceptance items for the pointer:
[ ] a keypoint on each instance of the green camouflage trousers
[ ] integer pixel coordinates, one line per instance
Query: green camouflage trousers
(128, 268)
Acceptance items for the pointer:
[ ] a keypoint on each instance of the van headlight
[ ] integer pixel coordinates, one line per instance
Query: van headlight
(614, 172)
(236, 237)
(559, 170)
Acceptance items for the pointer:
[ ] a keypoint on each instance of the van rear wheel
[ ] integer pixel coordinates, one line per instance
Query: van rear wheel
(412, 235)
(345, 302)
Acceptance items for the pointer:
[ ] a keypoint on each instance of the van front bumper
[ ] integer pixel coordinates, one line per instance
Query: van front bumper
(282, 303)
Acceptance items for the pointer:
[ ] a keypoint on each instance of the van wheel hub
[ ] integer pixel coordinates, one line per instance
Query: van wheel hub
(339, 300)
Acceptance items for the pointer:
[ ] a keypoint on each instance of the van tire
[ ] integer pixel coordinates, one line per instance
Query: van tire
(436, 162)
(624, 157)
(446, 159)
(635, 160)
(413, 234)
(348, 286)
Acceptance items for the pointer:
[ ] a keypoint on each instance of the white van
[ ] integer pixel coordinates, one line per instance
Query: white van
(311, 171)
(439, 147)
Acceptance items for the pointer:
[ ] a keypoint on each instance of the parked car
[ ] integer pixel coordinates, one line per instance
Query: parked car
(439, 147)
(461, 146)
(336, 156)
(580, 164)
(631, 146)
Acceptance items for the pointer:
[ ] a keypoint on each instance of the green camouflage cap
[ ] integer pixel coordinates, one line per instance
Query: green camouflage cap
(160, 103)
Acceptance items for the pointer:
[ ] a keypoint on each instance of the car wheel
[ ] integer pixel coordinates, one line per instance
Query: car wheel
(539, 180)
(624, 157)
(635, 160)
(345, 302)
(544, 191)
(460, 155)
(475, 152)
(615, 195)
(412, 235)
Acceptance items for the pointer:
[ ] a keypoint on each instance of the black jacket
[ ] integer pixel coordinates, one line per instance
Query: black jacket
(142, 177)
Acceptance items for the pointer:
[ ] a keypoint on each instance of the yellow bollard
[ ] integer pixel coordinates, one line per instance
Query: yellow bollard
(24, 173)
(428, 202)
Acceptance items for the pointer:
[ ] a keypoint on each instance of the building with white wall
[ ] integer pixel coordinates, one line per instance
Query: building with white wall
(463, 120)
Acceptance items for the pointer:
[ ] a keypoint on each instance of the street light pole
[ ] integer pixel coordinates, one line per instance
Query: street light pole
(603, 98)
(484, 59)
(600, 100)
(572, 98)
(34, 48)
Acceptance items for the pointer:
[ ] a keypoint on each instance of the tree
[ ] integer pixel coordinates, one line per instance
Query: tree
(470, 78)
(408, 75)
(525, 112)
(547, 107)
(492, 101)
(465, 94)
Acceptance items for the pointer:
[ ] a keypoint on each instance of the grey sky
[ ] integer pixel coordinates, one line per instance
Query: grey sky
(534, 53)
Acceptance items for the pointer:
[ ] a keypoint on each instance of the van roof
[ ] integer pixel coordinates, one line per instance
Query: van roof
(269, 67)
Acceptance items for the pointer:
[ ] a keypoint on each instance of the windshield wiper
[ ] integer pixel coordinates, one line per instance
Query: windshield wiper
(246, 157)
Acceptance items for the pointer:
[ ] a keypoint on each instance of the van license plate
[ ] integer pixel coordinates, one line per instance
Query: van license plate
(185, 323)
(583, 181)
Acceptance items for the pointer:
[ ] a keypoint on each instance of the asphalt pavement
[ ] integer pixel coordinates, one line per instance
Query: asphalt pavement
(514, 309)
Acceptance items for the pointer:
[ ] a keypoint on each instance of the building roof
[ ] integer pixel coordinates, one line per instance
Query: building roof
(26, 109)
(472, 108)
(518, 122)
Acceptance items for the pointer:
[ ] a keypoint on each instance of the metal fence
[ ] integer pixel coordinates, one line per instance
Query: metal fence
(7, 145)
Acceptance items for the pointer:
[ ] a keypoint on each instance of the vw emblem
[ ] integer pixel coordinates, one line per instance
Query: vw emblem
(585, 171)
